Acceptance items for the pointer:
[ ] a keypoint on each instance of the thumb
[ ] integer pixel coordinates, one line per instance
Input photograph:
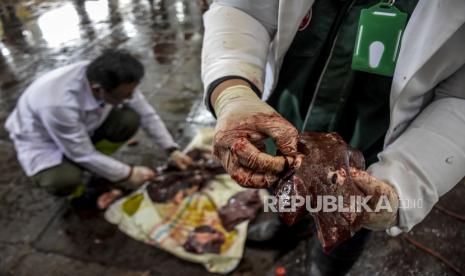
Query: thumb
(181, 164)
(283, 133)
(148, 173)
(188, 159)
(285, 136)
(370, 185)
(365, 182)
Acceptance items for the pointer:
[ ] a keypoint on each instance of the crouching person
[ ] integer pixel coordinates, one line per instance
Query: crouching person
(71, 118)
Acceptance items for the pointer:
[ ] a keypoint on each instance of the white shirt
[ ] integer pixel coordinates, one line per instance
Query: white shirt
(424, 148)
(58, 113)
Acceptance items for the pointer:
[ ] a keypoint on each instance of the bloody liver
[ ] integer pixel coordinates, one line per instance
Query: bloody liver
(324, 171)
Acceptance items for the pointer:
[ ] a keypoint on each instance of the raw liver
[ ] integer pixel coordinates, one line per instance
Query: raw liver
(324, 171)
(240, 207)
(204, 239)
(173, 184)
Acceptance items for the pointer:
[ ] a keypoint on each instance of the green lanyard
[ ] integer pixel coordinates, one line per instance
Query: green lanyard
(380, 30)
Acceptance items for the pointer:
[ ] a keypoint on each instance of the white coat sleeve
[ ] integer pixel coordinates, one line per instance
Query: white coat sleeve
(151, 123)
(237, 40)
(428, 159)
(69, 134)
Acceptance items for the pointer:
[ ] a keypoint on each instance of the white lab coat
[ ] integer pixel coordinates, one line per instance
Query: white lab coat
(424, 151)
(58, 113)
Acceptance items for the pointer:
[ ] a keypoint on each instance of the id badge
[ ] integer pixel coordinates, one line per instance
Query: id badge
(380, 30)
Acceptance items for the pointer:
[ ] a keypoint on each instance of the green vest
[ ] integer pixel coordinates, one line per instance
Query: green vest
(316, 78)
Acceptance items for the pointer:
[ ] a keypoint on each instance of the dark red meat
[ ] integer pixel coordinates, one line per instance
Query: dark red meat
(324, 171)
(240, 207)
(204, 239)
(172, 183)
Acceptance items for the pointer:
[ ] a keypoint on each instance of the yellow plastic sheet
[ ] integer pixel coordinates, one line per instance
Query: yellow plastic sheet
(167, 225)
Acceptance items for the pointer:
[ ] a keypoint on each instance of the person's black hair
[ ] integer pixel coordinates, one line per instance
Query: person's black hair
(113, 68)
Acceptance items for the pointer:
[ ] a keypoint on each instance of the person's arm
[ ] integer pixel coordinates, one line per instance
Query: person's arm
(156, 129)
(235, 49)
(236, 43)
(70, 135)
(151, 123)
(428, 159)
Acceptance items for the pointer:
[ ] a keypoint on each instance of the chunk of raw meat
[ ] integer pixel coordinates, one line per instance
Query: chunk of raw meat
(240, 207)
(204, 239)
(324, 171)
(168, 185)
(173, 184)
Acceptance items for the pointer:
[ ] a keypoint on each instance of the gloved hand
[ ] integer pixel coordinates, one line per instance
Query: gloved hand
(107, 198)
(243, 122)
(180, 160)
(370, 185)
(139, 175)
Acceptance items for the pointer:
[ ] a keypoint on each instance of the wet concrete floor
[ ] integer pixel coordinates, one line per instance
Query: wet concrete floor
(41, 235)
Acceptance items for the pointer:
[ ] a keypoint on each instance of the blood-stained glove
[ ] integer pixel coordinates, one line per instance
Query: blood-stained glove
(384, 197)
(107, 198)
(139, 175)
(244, 121)
(180, 160)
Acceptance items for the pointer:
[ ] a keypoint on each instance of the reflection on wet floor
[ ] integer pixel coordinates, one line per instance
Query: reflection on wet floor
(58, 26)
(39, 35)
(77, 21)
(64, 25)
(164, 51)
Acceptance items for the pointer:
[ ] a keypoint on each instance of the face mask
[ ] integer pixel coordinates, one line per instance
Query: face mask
(101, 102)
(115, 101)
(101, 95)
